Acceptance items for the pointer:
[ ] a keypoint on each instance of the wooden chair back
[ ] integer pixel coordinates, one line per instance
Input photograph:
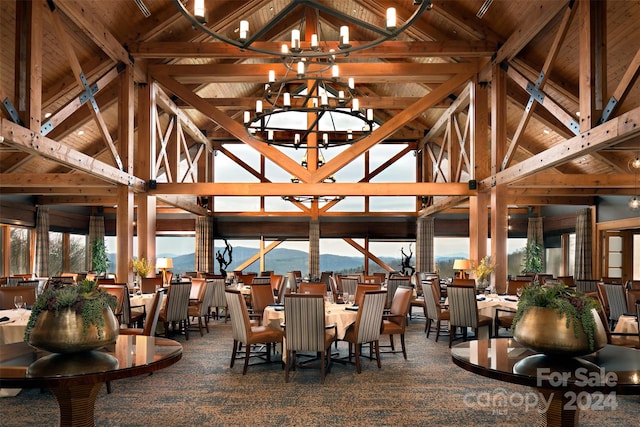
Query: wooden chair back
(7, 293)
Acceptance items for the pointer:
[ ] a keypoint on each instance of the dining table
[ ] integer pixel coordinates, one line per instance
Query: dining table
(489, 303)
(76, 378)
(342, 315)
(626, 325)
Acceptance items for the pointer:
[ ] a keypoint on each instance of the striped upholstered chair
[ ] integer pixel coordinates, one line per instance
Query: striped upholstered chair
(617, 300)
(244, 334)
(176, 308)
(305, 330)
(367, 326)
(392, 285)
(463, 311)
(434, 310)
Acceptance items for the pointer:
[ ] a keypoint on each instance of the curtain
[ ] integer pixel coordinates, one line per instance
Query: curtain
(424, 244)
(582, 267)
(96, 232)
(42, 242)
(314, 248)
(205, 244)
(535, 234)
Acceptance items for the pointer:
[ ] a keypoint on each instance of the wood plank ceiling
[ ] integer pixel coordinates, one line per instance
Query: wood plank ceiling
(416, 84)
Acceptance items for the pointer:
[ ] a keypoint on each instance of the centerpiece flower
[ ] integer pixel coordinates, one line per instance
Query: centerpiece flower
(142, 266)
(484, 269)
(72, 317)
(556, 319)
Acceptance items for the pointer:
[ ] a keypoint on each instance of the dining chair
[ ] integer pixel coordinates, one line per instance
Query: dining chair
(106, 281)
(313, 288)
(196, 284)
(463, 311)
(219, 301)
(622, 339)
(434, 310)
(119, 292)
(470, 283)
(261, 297)
(367, 327)
(393, 284)
(175, 311)
(633, 297)
(349, 285)
(200, 307)
(395, 322)
(151, 322)
(149, 285)
(333, 283)
(633, 285)
(7, 293)
(617, 301)
(282, 289)
(261, 280)
(567, 280)
(246, 334)
(324, 278)
(514, 285)
(362, 288)
(305, 331)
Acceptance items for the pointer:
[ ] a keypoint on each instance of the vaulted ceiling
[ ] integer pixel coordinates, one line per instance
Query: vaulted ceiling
(421, 87)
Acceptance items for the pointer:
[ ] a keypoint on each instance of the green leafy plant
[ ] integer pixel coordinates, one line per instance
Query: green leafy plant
(85, 298)
(532, 258)
(565, 301)
(99, 259)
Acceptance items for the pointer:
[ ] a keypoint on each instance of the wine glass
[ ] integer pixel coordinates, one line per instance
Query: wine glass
(519, 292)
(18, 302)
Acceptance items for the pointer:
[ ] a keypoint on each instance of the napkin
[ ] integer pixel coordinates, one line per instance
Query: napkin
(278, 308)
(4, 319)
(511, 299)
(351, 308)
(480, 298)
(275, 304)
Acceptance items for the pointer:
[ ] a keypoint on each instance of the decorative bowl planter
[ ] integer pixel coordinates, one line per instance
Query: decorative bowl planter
(546, 331)
(63, 332)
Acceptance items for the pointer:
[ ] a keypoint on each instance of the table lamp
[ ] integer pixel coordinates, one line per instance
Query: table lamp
(462, 265)
(164, 264)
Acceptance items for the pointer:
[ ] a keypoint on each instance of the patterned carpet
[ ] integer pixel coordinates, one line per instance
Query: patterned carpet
(201, 390)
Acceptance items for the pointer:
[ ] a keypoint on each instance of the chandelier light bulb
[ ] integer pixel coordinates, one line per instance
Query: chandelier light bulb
(258, 106)
(344, 35)
(244, 29)
(314, 41)
(286, 99)
(199, 11)
(272, 76)
(369, 114)
(391, 18)
(352, 83)
(355, 104)
(270, 135)
(335, 71)
(295, 39)
(324, 99)
(636, 163)
(247, 117)
(300, 69)
(284, 49)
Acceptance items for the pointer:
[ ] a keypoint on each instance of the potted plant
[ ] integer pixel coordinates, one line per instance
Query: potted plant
(142, 267)
(99, 259)
(555, 319)
(532, 258)
(68, 318)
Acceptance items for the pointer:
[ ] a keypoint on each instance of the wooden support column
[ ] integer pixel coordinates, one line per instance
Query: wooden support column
(480, 159)
(499, 214)
(145, 156)
(124, 218)
(28, 72)
(499, 236)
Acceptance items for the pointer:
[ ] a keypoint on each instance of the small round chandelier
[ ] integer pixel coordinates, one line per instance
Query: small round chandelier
(634, 202)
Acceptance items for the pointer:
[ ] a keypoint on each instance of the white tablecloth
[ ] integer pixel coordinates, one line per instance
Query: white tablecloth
(627, 325)
(487, 305)
(12, 330)
(334, 314)
(143, 299)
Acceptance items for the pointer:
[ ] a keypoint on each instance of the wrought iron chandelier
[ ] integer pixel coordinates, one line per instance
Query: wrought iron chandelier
(311, 106)
(634, 202)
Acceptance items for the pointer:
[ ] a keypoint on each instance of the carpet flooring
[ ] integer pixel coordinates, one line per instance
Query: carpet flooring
(201, 390)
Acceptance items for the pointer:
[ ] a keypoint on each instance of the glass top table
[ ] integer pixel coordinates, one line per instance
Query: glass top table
(76, 378)
(562, 381)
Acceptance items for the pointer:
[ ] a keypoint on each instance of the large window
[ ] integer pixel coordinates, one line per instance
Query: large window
(19, 251)
(77, 252)
(56, 254)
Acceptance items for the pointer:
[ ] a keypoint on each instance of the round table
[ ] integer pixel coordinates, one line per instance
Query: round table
(564, 384)
(76, 379)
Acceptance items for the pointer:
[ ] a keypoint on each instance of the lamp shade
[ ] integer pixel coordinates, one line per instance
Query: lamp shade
(462, 264)
(164, 263)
